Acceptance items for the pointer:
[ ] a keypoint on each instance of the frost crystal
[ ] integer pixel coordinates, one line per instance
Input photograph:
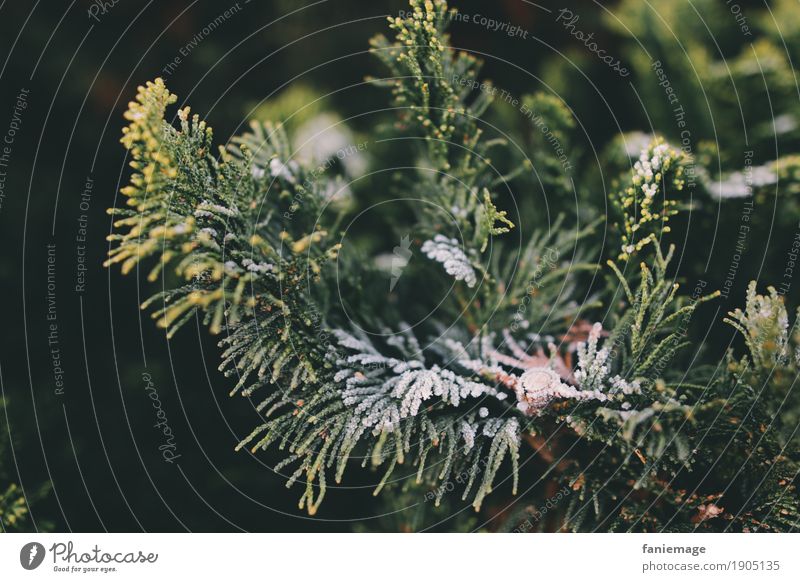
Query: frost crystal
(416, 386)
(448, 252)
(385, 390)
(657, 173)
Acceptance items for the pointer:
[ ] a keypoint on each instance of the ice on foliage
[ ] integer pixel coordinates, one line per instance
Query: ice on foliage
(260, 267)
(636, 141)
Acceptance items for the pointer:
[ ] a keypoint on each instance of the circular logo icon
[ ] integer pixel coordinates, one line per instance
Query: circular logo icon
(31, 555)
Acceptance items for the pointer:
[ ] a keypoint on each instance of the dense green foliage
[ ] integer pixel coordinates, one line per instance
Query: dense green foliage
(549, 356)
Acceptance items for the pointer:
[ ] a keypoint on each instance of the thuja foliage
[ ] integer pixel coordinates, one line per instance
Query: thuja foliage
(13, 507)
(547, 359)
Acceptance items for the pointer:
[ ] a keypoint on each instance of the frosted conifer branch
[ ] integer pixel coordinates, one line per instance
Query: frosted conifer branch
(448, 252)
